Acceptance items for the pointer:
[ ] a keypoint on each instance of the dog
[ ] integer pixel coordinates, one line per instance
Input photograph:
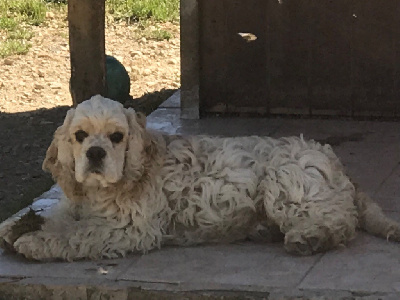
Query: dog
(129, 189)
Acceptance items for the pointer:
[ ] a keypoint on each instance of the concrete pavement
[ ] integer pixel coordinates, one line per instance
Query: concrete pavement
(369, 268)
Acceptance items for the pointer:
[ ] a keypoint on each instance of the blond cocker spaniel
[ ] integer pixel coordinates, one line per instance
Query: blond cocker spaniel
(129, 189)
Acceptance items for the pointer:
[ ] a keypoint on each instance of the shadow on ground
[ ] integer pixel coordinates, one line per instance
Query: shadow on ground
(24, 139)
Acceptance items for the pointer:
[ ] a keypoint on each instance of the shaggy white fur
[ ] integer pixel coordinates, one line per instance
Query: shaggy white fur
(130, 189)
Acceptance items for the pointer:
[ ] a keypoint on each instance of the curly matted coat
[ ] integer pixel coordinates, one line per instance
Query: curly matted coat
(130, 189)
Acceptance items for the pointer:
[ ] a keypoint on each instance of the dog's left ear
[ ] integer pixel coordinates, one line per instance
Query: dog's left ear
(141, 148)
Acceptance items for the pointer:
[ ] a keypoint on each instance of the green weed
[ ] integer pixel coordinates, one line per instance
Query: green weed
(135, 10)
(14, 16)
(20, 34)
(157, 34)
(7, 23)
(10, 47)
(29, 11)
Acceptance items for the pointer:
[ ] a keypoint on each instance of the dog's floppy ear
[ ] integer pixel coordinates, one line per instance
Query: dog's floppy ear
(60, 151)
(59, 159)
(150, 144)
(141, 119)
(141, 148)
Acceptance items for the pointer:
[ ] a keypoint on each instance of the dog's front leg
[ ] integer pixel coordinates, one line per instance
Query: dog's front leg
(93, 239)
(16, 226)
(41, 245)
(7, 237)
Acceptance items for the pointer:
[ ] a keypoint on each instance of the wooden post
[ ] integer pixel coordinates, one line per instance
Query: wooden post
(87, 48)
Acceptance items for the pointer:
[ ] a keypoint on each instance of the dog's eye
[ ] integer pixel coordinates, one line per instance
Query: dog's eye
(80, 135)
(116, 137)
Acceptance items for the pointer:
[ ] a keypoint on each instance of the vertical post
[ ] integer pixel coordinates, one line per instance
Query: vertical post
(190, 59)
(87, 48)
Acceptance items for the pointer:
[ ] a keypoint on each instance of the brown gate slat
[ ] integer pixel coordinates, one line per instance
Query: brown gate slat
(233, 69)
(331, 57)
(247, 68)
(212, 54)
(374, 56)
(290, 56)
(396, 63)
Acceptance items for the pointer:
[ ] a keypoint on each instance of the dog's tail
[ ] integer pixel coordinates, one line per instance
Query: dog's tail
(372, 219)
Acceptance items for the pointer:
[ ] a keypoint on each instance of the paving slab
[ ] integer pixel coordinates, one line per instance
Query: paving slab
(388, 204)
(382, 132)
(15, 266)
(229, 126)
(326, 130)
(166, 120)
(390, 187)
(367, 264)
(172, 102)
(370, 165)
(253, 266)
(367, 268)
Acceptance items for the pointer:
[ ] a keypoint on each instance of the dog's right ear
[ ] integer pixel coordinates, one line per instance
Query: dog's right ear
(59, 154)
(60, 162)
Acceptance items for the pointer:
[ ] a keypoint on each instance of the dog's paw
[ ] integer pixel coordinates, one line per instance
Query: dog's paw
(299, 244)
(300, 247)
(13, 228)
(7, 238)
(32, 245)
(45, 246)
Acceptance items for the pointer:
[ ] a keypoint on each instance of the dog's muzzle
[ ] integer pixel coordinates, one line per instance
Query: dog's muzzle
(96, 156)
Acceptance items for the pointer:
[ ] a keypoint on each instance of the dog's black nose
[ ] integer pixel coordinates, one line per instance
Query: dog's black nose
(95, 154)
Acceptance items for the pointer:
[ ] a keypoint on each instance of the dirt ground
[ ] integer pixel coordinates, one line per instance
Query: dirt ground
(34, 97)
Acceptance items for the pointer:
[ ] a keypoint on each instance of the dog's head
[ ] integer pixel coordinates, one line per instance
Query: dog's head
(99, 143)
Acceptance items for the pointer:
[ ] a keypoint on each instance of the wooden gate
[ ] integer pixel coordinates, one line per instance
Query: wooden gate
(313, 57)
